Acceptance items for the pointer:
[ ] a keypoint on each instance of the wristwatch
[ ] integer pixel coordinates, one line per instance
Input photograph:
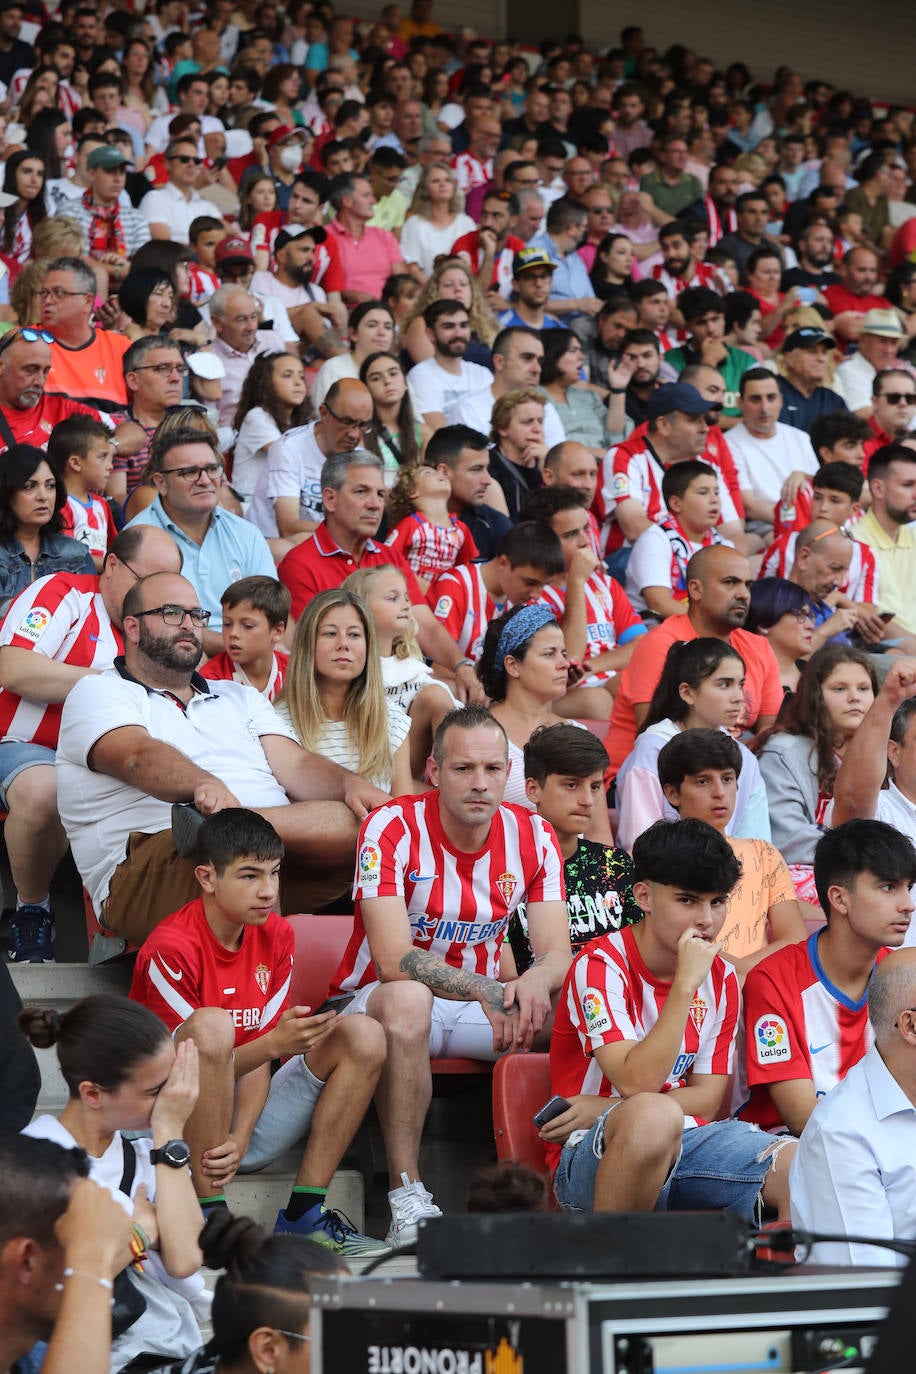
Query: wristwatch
(175, 1153)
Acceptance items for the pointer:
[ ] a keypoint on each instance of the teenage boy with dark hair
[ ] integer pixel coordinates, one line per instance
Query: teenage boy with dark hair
(218, 972)
(564, 781)
(657, 568)
(834, 494)
(806, 1021)
(467, 598)
(255, 615)
(642, 1047)
(699, 772)
(704, 317)
(840, 438)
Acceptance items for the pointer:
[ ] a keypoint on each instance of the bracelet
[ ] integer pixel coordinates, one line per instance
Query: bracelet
(84, 1274)
(617, 390)
(463, 663)
(139, 1244)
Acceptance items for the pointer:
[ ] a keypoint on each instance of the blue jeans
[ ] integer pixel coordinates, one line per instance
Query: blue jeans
(721, 1167)
(15, 757)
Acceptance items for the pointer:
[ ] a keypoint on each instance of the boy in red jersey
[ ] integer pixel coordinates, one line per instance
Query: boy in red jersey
(255, 613)
(218, 972)
(642, 1047)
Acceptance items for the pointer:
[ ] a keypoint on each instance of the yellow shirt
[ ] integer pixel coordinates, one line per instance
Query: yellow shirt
(896, 565)
(765, 882)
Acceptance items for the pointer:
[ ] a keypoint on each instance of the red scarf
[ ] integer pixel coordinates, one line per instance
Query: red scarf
(715, 221)
(106, 234)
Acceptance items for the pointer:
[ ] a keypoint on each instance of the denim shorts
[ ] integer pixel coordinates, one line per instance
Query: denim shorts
(15, 758)
(721, 1167)
(286, 1115)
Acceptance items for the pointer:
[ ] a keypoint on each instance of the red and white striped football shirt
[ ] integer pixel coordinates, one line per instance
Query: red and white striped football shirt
(861, 581)
(459, 904)
(461, 601)
(92, 525)
(610, 996)
(703, 275)
(609, 619)
(221, 668)
(62, 617)
(432, 549)
(798, 1025)
(470, 172)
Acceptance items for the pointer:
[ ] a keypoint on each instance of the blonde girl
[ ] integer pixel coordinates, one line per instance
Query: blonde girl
(334, 697)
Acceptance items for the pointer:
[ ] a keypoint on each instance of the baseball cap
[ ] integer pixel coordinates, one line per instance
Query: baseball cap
(808, 337)
(883, 322)
(232, 250)
(283, 132)
(107, 157)
(677, 396)
(527, 258)
(299, 231)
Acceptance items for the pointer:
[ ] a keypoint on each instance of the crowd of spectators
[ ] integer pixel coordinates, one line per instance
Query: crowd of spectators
(387, 418)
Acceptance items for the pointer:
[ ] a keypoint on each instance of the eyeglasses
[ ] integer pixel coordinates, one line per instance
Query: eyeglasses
(364, 426)
(211, 470)
(162, 369)
(895, 397)
(29, 335)
(57, 293)
(186, 158)
(175, 615)
(804, 615)
(291, 1335)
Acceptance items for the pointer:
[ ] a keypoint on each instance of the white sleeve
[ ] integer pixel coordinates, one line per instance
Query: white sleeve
(554, 433)
(426, 393)
(284, 470)
(650, 562)
(411, 240)
(745, 480)
(153, 208)
(94, 707)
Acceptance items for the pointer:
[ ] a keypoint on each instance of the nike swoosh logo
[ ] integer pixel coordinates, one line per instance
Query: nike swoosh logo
(170, 971)
(95, 638)
(816, 1049)
(416, 877)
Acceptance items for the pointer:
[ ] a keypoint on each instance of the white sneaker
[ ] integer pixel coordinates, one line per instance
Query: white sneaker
(408, 1204)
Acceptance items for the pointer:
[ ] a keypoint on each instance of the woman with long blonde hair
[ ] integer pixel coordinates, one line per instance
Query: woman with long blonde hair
(334, 697)
(434, 221)
(452, 280)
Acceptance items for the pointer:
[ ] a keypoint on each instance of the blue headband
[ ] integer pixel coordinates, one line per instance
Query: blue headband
(521, 627)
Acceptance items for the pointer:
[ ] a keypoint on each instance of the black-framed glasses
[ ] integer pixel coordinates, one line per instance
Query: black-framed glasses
(895, 397)
(364, 426)
(175, 615)
(804, 615)
(29, 335)
(57, 293)
(191, 474)
(163, 369)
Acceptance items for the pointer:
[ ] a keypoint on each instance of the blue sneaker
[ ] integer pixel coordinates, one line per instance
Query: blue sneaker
(335, 1231)
(31, 936)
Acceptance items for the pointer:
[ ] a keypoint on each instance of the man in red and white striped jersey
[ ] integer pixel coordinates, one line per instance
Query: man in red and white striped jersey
(438, 878)
(805, 1006)
(642, 1048)
(54, 633)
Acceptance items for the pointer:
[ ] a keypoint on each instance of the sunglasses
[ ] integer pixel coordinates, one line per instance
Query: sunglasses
(183, 157)
(896, 397)
(29, 335)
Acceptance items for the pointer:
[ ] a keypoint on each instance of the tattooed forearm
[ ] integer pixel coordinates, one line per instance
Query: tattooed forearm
(458, 984)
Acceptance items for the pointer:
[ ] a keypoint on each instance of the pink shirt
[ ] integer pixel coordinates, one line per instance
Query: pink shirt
(368, 260)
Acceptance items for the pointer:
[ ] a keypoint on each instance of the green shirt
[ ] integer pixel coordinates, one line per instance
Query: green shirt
(733, 369)
(672, 199)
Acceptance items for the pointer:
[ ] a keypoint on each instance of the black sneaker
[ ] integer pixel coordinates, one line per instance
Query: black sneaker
(186, 821)
(31, 936)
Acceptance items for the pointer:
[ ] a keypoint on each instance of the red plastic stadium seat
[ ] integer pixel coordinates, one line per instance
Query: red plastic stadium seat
(521, 1084)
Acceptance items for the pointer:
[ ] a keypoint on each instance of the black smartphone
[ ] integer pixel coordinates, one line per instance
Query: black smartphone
(335, 1003)
(219, 163)
(550, 1111)
(886, 616)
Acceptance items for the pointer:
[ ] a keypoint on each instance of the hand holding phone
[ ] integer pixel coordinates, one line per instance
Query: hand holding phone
(550, 1111)
(337, 1003)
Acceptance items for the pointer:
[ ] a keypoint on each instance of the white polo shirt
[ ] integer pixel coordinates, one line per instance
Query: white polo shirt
(293, 468)
(219, 729)
(168, 206)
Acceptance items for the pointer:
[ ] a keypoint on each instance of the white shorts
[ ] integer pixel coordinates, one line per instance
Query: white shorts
(458, 1030)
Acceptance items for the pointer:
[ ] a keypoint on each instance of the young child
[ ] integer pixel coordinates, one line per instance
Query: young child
(407, 679)
(218, 972)
(255, 612)
(82, 450)
(424, 531)
(564, 781)
(469, 597)
(205, 235)
(832, 494)
(657, 570)
(699, 771)
(642, 1048)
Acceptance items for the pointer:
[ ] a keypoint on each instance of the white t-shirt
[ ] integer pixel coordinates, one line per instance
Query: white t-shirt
(293, 468)
(650, 564)
(266, 284)
(220, 730)
(405, 678)
(476, 410)
(434, 389)
(422, 242)
(258, 431)
(764, 464)
(331, 370)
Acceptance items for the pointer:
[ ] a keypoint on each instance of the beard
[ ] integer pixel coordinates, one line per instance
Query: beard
(167, 653)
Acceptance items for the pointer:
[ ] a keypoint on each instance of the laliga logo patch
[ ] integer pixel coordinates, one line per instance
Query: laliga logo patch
(698, 1010)
(771, 1036)
(443, 606)
(595, 1011)
(34, 624)
(506, 882)
(620, 484)
(370, 864)
(262, 978)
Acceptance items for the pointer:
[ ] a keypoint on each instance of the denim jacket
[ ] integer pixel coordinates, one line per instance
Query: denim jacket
(58, 554)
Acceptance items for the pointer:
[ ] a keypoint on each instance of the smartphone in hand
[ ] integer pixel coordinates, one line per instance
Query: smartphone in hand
(550, 1111)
